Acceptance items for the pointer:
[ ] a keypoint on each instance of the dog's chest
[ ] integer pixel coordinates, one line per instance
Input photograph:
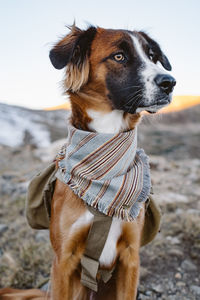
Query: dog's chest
(111, 122)
(109, 252)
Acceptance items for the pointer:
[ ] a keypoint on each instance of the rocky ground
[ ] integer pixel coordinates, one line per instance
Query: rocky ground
(170, 264)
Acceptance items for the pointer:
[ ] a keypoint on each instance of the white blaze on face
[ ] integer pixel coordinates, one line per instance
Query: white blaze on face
(148, 72)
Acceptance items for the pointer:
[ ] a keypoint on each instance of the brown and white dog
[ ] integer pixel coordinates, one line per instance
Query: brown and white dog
(111, 76)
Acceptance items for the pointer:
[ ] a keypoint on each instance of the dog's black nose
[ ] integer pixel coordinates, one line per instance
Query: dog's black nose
(165, 82)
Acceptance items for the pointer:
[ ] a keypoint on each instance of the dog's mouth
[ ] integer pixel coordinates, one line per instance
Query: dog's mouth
(153, 107)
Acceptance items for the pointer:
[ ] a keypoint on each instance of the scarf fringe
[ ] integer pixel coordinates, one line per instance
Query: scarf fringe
(111, 201)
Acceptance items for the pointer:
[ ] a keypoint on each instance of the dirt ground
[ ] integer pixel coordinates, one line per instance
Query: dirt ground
(170, 265)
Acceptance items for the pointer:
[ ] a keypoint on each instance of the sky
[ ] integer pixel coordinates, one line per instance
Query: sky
(29, 28)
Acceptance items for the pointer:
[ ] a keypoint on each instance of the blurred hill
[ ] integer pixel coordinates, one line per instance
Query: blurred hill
(175, 134)
(160, 134)
(182, 102)
(190, 114)
(178, 103)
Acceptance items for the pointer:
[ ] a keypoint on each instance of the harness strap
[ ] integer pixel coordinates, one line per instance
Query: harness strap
(96, 239)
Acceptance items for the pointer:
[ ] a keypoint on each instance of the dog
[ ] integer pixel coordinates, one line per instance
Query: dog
(111, 76)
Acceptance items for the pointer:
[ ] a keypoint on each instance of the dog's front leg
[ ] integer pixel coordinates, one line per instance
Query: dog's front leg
(68, 247)
(129, 260)
(60, 282)
(128, 275)
(65, 275)
(65, 282)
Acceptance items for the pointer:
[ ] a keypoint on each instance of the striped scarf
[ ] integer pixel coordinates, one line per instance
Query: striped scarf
(107, 171)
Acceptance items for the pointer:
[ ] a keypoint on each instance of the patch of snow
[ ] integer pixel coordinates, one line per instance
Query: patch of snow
(16, 122)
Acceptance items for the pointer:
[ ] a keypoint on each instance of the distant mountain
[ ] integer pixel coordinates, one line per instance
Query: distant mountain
(188, 115)
(178, 103)
(19, 126)
(181, 102)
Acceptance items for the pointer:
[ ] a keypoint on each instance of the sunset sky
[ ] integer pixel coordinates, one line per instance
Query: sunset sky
(29, 28)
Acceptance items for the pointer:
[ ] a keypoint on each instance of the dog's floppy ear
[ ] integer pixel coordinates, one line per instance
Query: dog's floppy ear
(160, 56)
(73, 52)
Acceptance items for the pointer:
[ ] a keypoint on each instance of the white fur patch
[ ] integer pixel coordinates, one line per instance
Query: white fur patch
(109, 252)
(148, 72)
(83, 220)
(112, 122)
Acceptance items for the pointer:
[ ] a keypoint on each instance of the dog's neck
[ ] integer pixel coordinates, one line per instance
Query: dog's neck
(109, 122)
(86, 115)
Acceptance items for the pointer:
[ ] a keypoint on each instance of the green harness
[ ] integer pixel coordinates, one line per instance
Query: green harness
(38, 212)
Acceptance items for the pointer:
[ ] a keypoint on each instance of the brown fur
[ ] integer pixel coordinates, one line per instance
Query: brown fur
(14, 294)
(87, 90)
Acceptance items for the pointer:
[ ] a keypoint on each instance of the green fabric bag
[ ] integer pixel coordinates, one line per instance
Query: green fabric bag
(151, 222)
(39, 196)
(38, 205)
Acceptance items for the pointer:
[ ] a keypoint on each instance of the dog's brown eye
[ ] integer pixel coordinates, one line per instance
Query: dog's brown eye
(119, 57)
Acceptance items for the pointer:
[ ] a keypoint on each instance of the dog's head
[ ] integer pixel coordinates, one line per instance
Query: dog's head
(126, 68)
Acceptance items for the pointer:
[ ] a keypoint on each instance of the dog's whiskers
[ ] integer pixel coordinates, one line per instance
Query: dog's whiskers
(134, 97)
(136, 104)
(128, 87)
